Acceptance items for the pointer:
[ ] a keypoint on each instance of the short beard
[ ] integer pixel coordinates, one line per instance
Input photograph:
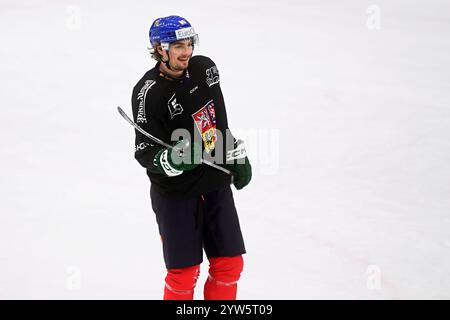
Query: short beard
(181, 68)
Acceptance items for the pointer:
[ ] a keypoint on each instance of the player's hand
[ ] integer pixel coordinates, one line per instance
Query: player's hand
(183, 156)
(239, 165)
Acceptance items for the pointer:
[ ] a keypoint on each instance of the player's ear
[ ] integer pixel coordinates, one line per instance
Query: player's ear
(159, 49)
(161, 54)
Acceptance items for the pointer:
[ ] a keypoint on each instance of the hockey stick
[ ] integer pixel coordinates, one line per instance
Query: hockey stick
(168, 146)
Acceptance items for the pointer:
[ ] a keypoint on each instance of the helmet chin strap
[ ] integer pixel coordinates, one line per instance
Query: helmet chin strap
(166, 47)
(167, 63)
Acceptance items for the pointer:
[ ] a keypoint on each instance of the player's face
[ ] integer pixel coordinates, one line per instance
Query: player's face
(180, 53)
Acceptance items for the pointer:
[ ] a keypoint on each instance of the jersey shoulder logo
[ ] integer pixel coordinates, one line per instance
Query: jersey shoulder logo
(174, 107)
(212, 76)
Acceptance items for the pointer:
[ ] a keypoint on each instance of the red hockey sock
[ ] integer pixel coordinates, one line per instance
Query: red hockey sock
(224, 272)
(180, 283)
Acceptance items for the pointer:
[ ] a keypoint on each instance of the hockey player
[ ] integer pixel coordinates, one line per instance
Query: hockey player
(180, 102)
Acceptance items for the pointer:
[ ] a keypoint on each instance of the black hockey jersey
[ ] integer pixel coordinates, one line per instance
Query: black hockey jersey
(194, 103)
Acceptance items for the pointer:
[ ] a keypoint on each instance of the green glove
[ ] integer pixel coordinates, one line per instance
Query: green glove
(239, 165)
(183, 156)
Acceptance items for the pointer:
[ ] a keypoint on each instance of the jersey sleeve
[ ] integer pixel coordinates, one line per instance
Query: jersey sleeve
(148, 114)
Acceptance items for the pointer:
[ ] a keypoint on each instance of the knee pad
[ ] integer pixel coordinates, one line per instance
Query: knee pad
(225, 270)
(183, 280)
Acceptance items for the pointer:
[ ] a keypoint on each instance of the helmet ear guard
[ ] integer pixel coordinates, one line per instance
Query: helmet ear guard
(165, 46)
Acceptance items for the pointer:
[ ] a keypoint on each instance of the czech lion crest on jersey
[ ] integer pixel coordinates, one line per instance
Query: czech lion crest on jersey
(205, 121)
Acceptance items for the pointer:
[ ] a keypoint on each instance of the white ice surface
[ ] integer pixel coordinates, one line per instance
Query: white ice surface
(359, 124)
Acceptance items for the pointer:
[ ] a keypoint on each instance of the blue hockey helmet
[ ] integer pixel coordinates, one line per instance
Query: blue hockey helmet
(169, 29)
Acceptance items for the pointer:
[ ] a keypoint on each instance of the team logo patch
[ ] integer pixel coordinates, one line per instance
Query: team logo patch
(174, 107)
(212, 76)
(205, 120)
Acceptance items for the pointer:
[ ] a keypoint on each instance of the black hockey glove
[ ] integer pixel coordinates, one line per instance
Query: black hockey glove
(182, 157)
(239, 165)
